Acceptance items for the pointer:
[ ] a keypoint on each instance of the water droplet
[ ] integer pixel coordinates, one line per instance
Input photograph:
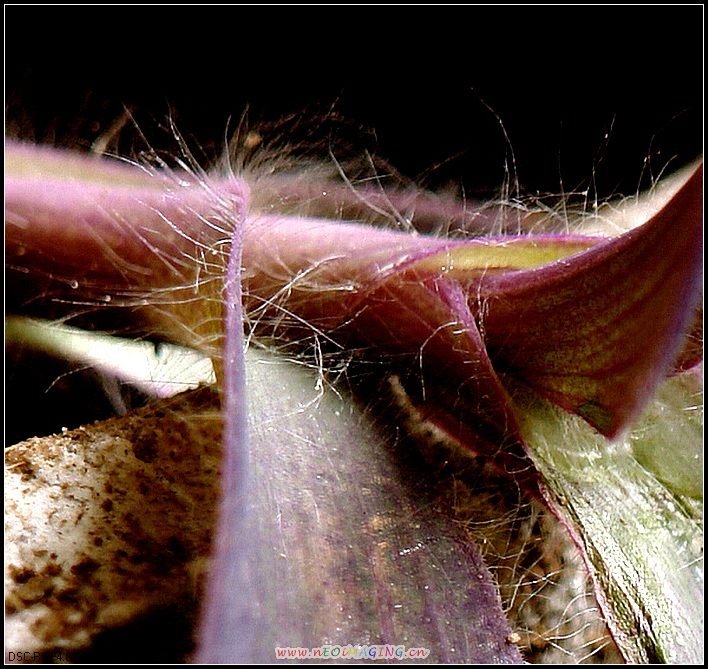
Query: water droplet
(106, 298)
(74, 284)
(161, 350)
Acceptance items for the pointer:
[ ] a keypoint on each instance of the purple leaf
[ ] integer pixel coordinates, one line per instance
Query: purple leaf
(326, 493)
(85, 231)
(335, 537)
(592, 324)
(598, 332)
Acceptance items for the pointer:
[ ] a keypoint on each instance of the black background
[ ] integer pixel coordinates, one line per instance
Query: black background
(585, 94)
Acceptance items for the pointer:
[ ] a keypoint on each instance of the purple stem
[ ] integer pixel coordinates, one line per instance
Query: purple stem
(228, 630)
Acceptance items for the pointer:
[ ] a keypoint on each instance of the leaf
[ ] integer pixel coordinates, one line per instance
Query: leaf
(592, 324)
(82, 231)
(336, 539)
(632, 506)
(337, 535)
(158, 373)
(598, 332)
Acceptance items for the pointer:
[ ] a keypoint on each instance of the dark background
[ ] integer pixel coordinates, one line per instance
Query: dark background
(585, 94)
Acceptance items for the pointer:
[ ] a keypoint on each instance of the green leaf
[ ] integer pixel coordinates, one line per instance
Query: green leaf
(631, 504)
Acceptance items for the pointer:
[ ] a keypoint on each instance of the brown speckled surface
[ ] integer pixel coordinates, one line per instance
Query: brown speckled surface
(108, 523)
